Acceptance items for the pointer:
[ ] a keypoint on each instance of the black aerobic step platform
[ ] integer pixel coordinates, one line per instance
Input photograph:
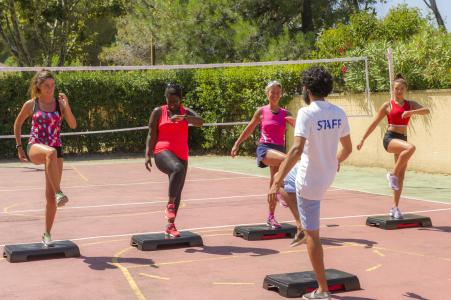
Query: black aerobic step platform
(151, 242)
(264, 232)
(292, 285)
(24, 252)
(409, 221)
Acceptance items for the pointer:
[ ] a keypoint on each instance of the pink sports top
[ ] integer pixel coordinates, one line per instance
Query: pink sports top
(273, 126)
(172, 136)
(46, 126)
(394, 117)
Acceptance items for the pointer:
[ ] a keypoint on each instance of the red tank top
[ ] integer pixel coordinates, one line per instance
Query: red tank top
(172, 136)
(394, 117)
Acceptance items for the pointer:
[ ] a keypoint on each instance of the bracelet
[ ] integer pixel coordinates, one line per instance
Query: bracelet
(18, 146)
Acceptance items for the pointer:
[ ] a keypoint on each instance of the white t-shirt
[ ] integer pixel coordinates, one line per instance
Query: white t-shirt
(322, 124)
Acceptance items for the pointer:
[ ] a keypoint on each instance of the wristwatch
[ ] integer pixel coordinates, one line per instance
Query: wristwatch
(18, 146)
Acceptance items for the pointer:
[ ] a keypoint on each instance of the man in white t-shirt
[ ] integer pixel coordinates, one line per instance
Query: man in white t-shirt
(320, 127)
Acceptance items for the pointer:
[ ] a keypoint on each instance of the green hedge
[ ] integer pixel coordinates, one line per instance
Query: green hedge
(110, 100)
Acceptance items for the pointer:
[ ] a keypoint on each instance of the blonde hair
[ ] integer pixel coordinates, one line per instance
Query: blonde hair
(272, 84)
(400, 79)
(37, 80)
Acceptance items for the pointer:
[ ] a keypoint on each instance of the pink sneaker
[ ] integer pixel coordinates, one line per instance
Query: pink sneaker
(273, 222)
(170, 211)
(392, 181)
(172, 231)
(281, 200)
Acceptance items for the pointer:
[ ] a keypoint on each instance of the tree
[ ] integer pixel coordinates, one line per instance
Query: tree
(53, 31)
(208, 31)
(432, 4)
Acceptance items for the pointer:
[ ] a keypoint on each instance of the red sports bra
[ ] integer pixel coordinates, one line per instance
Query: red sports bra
(394, 117)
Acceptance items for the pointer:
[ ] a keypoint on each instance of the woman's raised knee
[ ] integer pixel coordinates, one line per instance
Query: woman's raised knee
(179, 168)
(51, 154)
(411, 148)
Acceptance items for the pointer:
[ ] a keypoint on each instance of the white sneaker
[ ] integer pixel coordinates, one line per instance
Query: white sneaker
(47, 239)
(61, 199)
(281, 200)
(299, 238)
(397, 214)
(391, 212)
(392, 181)
(316, 295)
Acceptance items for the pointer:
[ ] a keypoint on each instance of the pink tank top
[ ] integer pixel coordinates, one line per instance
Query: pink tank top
(172, 136)
(46, 126)
(273, 126)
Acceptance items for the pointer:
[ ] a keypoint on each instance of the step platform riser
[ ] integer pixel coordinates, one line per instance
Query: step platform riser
(264, 232)
(294, 285)
(157, 241)
(409, 221)
(26, 252)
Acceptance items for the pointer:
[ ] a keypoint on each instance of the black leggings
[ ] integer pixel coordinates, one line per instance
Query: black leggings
(168, 163)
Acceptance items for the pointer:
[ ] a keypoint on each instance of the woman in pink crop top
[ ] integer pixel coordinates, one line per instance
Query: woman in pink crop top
(271, 148)
(44, 145)
(398, 112)
(167, 143)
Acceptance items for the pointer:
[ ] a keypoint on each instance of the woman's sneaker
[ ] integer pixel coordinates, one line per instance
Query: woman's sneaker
(272, 222)
(299, 238)
(61, 199)
(397, 214)
(47, 239)
(393, 181)
(316, 295)
(170, 212)
(171, 231)
(391, 213)
(281, 200)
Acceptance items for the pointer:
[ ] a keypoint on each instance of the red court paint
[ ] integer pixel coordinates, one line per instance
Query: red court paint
(274, 236)
(407, 225)
(332, 288)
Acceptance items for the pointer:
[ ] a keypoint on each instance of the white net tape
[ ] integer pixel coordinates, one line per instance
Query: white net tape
(343, 101)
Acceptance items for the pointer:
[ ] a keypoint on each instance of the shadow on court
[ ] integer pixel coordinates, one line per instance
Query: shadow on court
(446, 229)
(414, 296)
(101, 263)
(341, 242)
(231, 250)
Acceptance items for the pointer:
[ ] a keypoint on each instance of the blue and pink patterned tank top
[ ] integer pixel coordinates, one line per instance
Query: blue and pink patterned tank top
(273, 126)
(46, 126)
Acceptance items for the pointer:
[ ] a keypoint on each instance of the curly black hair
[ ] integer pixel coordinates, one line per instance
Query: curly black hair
(318, 81)
(173, 89)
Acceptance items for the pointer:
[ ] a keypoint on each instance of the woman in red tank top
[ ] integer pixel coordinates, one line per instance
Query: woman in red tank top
(398, 112)
(167, 142)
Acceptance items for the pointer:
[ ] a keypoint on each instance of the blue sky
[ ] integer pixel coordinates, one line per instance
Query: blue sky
(443, 5)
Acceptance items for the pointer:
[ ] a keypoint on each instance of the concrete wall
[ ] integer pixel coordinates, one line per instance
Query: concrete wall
(430, 134)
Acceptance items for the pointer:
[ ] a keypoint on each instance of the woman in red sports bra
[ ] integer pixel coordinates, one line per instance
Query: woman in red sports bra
(398, 112)
(44, 145)
(167, 143)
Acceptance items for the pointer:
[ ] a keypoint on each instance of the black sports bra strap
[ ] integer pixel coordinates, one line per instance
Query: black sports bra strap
(36, 105)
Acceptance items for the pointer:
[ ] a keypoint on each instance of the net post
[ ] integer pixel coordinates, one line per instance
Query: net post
(367, 86)
(391, 71)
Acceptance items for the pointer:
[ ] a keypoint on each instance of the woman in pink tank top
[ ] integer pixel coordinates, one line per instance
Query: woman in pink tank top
(271, 149)
(167, 143)
(44, 145)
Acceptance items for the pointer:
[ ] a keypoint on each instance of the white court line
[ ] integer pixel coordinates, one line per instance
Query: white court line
(126, 184)
(134, 203)
(381, 194)
(230, 225)
(332, 187)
